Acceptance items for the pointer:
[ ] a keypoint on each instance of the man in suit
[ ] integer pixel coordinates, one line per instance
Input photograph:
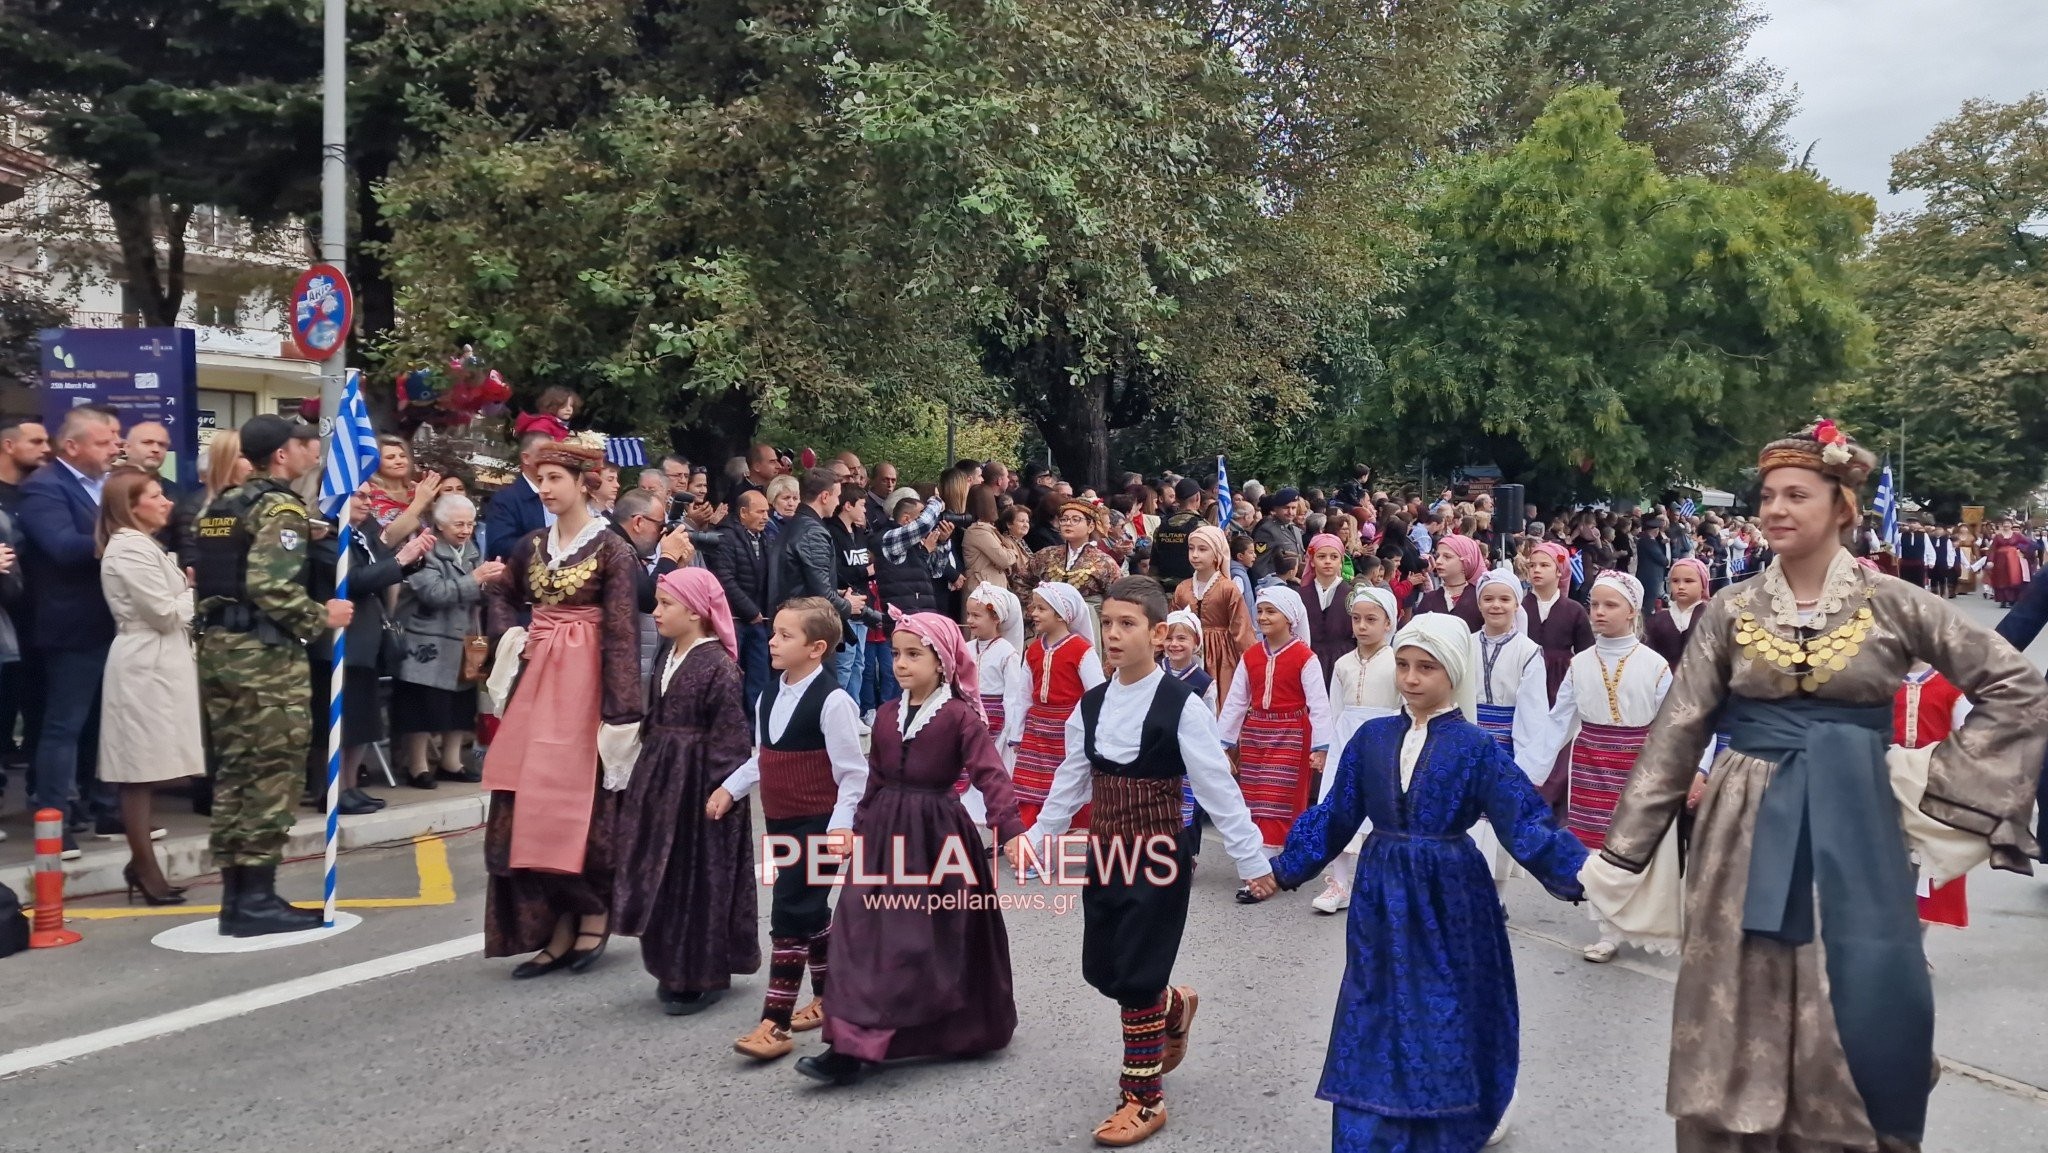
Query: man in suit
(516, 510)
(1914, 552)
(741, 565)
(72, 626)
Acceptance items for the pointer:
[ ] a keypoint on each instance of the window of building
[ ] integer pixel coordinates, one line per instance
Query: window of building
(217, 309)
(228, 409)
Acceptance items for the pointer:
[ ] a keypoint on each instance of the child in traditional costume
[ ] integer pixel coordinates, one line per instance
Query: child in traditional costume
(1361, 689)
(1062, 665)
(1926, 710)
(1181, 656)
(1459, 561)
(1219, 602)
(1129, 746)
(1513, 701)
(1425, 1047)
(685, 884)
(1276, 718)
(929, 979)
(1327, 597)
(1670, 627)
(811, 773)
(995, 624)
(1602, 714)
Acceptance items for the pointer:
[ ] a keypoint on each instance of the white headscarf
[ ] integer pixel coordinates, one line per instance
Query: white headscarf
(1513, 584)
(1630, 588)
(1289, 603)
(1008, 609)
(1066, 600)
(1186, 619)
(1454, 645)
(1381, 597)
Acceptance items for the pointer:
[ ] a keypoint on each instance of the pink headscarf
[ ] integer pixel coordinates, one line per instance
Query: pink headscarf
(697, 590)
(1699, 568)
(957, 666)
(1558, 553)
(1324, 540)
(1469, 554)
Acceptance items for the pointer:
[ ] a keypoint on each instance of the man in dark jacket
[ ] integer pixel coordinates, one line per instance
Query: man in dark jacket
(805, 563)
(1170, 542)
(741, 563)
(515, 510)
(1653, 560)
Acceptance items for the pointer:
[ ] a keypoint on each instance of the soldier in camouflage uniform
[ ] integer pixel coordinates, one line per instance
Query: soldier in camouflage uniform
(256, 619)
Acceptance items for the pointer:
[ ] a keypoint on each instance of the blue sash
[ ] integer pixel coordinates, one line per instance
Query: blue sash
(1828, 824)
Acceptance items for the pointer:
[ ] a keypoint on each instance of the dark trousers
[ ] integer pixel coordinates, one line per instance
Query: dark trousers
(798, 908)
(754, 670)
(67, 746)
(1130, 932)
(1914, 571)
(1942, 581)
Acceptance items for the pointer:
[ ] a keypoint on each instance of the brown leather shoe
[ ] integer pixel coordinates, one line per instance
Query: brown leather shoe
(809, 1017)
(767, 1042)
(1130, 1124)
(1177, 1031)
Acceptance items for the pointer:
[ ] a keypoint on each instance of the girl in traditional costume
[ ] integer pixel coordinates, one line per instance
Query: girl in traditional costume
(1181, 658)
(1361, 689)
(1220, 604)
(1459, 561)
(1277, 718)
(548, 842)
(995, 622)
(1669, 627)
(1602, 715)
(1425, 1047)
(1804, 1016)
(686, 884)
(929, 979)
(1062, 664)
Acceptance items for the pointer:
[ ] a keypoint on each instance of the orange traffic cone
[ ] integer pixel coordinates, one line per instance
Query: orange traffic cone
(48, 931)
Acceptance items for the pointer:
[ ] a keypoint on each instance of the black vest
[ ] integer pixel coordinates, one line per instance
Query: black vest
(1158, 741)
(806, 732)
(903, 584)
(221, 566)
(1170, 547)
(1197, 679)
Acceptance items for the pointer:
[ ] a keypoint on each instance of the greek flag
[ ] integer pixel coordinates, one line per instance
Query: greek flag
(1578, 569)
(1224, 505)
(1886, 505)
(1687, 507)
(626, 451)
(351, 450)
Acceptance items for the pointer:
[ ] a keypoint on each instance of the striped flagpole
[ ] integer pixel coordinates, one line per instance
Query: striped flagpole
(336, 679)
(351, 445)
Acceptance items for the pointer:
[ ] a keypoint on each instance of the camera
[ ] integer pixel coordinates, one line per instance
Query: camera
(958, 520)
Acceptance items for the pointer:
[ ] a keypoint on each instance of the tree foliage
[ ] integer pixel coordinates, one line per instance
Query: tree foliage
(22, 315)
(1592, 324)
(1959, 291)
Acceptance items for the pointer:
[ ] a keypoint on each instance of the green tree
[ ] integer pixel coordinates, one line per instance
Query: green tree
(1689, 87)
(1594, 325)
(1959, 291)
(22, 315)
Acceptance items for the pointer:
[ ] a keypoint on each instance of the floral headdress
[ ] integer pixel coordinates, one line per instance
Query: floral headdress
(1824, 448)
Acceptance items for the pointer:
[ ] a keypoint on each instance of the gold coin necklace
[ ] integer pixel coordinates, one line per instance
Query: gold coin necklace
(1814, 662)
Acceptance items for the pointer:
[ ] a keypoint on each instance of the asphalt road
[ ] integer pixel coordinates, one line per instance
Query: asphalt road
(455, 1056)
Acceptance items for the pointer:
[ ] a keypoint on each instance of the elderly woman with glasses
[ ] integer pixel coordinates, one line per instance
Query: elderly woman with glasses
(1077, 560)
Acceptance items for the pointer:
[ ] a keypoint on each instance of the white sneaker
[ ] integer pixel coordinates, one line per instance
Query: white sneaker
(1500, 1131)
(1335, 896)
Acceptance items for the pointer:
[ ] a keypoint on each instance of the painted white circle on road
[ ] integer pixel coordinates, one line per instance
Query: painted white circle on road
(205, 937)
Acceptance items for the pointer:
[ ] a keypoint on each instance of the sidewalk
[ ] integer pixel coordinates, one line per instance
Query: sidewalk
(410, 813)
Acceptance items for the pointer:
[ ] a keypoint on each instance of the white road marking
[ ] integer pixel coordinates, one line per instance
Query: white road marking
(38, 1056)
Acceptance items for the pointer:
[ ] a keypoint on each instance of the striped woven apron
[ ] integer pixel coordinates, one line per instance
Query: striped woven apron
(1602, 756)
(1499, 723)
(992, 707)
(1273, 770)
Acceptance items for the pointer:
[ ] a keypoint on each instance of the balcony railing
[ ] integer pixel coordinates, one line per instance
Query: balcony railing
(212, 338)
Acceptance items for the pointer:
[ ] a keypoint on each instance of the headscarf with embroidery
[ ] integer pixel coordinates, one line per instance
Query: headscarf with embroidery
(1008, 609)
(1513, 584)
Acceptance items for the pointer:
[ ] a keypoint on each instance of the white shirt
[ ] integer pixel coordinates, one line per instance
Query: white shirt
(1582, 697)
(675, 661)
(1325, 593)
(840, 718)
(1022, 689)
(1543, 607)
(1117, 730)
(1413, 742)
(1518, 680)
(1239, 702)
(94, 485)
(1002, 674)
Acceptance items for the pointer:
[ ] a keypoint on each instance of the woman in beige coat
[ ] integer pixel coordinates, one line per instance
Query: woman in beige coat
(988, 553)
(149, 697)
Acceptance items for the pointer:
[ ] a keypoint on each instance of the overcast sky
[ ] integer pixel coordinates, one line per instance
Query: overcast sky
(1875, 76)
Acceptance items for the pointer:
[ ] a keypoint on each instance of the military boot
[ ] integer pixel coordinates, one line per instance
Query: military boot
(260, 911)
(230, 895)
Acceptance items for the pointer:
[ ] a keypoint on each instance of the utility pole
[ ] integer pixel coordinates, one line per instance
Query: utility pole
(334, 182)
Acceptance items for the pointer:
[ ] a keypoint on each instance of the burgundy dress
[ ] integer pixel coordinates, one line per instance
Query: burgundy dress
(686, 883)
(1467, 608)
(522, 906)
(1329, 629)
(919, 982)
(1664, 636)
(1567, 633)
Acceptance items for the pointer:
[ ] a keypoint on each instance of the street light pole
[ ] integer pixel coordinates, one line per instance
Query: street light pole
(334, 181)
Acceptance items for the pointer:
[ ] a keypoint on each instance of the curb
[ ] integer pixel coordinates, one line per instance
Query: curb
(186, 858)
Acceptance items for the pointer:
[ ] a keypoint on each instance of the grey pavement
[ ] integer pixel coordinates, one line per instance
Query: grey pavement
(455, 1056)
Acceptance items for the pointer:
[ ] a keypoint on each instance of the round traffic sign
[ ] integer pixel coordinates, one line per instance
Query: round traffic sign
(323, 311)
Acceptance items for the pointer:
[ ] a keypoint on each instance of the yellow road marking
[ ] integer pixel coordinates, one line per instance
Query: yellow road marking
(430, 857)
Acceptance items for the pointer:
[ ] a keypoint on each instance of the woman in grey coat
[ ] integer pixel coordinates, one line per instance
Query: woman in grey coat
(437, 609)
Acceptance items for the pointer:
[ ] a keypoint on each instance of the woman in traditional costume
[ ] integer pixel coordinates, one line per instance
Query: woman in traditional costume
(1804, 1017)
(548, 842)
(1425, 1048)
(1078, 560)
(2009, 571)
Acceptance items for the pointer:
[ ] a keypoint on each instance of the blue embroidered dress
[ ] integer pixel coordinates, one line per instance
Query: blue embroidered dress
(1426, 1041)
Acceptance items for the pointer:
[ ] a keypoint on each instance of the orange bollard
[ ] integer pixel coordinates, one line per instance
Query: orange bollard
(47, 931)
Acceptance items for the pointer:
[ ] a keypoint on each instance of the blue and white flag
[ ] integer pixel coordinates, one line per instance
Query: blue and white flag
(1886, 505)
(351, 450)
(1224, 505)
(626, 451)
(1578, 568)
(1687, 507)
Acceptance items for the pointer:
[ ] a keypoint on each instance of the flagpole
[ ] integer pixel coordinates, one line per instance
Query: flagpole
(338, 676)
